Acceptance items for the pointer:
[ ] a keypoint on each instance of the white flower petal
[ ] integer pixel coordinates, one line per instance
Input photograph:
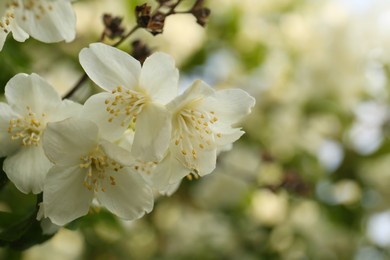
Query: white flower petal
(48, 227)
(224, 148)
(64, 110)
(168, 172)
(55, 22)
(231, 105)
(170, 189)
(33, 91)
(94, 110)
(17, 32)
(27, 169)
(3, 37)
(11, 26)
(117, 153)
(195, 92)
(65, 141)
(160, 77)
(228, 136)
(206, 161)
(65, 197)
(8, 146)
(110, 67)
(126, 140)
(130, 198)
(152, 133)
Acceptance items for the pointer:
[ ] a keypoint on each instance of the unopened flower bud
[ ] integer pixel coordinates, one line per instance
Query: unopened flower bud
(112, 26)
(140, 51)
(156, 23)
(201, 15)
(142, 12)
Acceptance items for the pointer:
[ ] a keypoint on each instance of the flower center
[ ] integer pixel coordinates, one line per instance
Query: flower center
(194, 131)
(27, 129)
(99, 169)
(37, 7)
(125, 103)
(6, 20)
(144, 167)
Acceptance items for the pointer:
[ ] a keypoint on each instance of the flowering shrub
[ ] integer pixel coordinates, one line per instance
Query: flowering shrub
(111, 153)
(137, 136)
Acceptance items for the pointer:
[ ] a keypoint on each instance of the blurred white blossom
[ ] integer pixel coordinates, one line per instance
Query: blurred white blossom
(45, 20)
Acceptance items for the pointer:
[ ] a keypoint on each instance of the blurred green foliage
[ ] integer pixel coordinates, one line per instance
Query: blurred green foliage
(13, 59)
(303, 183)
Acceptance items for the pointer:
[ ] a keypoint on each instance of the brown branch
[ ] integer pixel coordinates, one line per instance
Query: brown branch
(76, 86)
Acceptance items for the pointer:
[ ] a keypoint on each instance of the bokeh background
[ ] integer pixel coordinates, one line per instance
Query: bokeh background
(311, 177)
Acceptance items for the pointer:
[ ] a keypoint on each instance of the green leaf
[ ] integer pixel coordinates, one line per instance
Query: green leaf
(6, 219)
(20, 233)
(32, 236)
(13, 59)
(16, 229)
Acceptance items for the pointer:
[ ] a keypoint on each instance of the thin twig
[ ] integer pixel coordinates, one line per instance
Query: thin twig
(123, 38)
(173, 7)
(76, 86)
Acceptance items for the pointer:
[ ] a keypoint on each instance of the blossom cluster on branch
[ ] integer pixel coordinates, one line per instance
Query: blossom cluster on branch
(47, 21)
(137, 136)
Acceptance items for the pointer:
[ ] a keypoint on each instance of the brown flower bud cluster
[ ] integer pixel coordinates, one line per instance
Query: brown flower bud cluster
(151, 21)
(154, 21)
(112, 26)
(140, 50)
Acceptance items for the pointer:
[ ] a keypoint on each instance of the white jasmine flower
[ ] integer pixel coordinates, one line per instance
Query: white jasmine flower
(32, 102)
(45, 20)
(87, 167)
(135, 95)
(202, 124)
(150, 171)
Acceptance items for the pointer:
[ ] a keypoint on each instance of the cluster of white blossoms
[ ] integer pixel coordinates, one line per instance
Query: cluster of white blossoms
(137, 136)
(45, 20)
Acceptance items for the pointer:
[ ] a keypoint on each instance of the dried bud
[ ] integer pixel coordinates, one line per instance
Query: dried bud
(140, 51)
(112, 26)
(153, 23)
(142, 13)
(156, 23)
(201, 15)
